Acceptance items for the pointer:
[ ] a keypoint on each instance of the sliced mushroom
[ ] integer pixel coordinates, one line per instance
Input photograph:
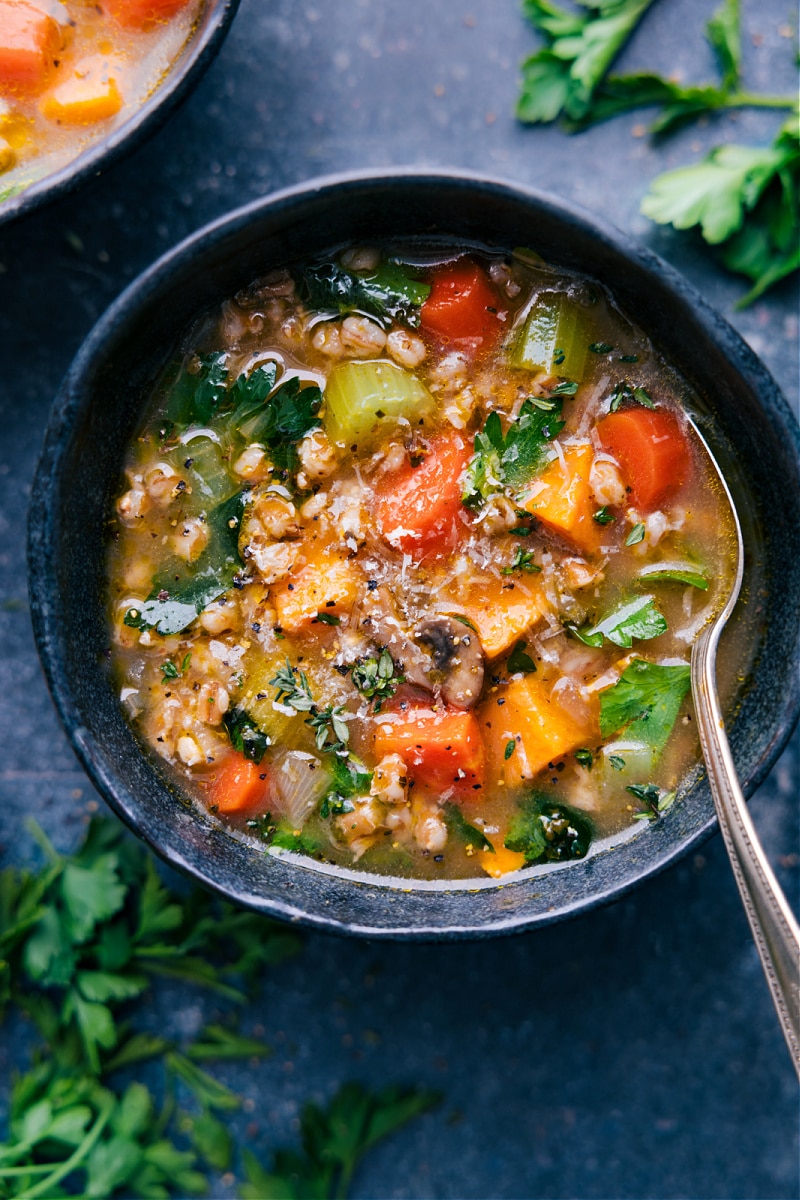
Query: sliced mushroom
(457, 658)
(382, 623)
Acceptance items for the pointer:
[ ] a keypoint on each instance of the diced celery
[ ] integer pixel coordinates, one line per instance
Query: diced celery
(364, 400)
(554, 337)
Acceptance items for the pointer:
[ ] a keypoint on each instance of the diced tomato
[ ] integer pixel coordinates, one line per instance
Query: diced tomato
(240, 787)
(142, 14)
(652, 451)
(442, 749)
(30, 41)
(418, 507)
(462, 305)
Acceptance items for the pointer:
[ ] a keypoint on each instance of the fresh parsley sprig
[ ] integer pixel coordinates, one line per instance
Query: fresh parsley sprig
(511, 460)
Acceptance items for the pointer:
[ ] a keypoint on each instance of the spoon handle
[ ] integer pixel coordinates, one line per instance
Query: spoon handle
(774, 928)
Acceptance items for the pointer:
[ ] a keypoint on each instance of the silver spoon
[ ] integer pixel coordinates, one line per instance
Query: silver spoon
(772, 923)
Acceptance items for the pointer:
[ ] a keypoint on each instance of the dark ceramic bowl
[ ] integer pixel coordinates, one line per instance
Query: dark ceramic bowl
(197, 53)
(746, 421)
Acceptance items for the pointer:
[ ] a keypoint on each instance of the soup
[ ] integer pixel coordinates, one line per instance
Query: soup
(410, 554)
(72, 72)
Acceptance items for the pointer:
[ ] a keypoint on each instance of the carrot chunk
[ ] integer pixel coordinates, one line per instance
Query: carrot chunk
(30, 41)
(442, 749)
(142, 14)
(327, 586)
(540, 729)
(88, 95)
(419, 507)
(462, 304)
(240, 786)
(652, 452)
(561, 498)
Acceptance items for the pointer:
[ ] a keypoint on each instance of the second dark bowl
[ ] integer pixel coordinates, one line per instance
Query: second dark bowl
(748, 425)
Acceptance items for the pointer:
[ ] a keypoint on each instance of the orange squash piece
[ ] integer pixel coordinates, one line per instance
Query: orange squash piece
(89, 94)
(562, 499)
(502, 610)
(540, 728)
(30, 42)
(327, 584)
(502, 861)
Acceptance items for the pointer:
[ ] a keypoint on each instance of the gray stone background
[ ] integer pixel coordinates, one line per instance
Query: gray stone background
(632, 1052)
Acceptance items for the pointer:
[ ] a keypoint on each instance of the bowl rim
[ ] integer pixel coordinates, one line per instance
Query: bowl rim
(43, 548)
(196, 55)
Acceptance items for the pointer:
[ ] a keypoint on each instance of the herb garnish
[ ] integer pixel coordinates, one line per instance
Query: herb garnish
(376, 678)
(584, 758)
(519, 662)
(655, 800)
(246, 736)
(547, 832)
(522, 561)
(633, 394)
(330, 728)
(169, 670)
(470, 836)
(603, 516)
(511, 460)
(636, 535)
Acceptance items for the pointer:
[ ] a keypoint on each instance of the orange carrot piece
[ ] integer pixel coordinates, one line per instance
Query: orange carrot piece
(418, 508)
(462, 304)
(542, 732)
(30, 42)
(652, 451)
(561, 499)
(240, 786)
(142, 14)
(442, 749)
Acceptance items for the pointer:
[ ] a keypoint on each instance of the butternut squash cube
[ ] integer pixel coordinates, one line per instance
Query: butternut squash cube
(328, 584)
(502, 610)
(562, 500)
(89, 95)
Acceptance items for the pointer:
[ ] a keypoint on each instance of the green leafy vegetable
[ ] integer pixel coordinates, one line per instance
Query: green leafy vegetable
(520, 662)
(245, 734)
(655, 800)
(522, 561)
(744, 199)
(350, 778)
(390, 293)
(581, 45)
(636, 535)
(603, 516)
(584, 758)
(184, 590)
(645, 702)
(464, 832)
(334, 1141)
(288, 415)
(510, 461)
(637, 619)
(376, 678)
(548, 832)
(674, 573)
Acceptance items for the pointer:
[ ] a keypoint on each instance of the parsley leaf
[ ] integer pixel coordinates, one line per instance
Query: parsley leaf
(645, 702)
(390, 293)
(513, 460)
(581, 46)
(633, 619)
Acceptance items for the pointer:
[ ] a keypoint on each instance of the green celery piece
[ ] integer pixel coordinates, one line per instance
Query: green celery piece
(645, 702)
(365, 399)
(554, 337)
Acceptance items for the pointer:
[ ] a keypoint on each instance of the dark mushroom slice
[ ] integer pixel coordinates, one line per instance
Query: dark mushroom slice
(381, 622)
(457, 657)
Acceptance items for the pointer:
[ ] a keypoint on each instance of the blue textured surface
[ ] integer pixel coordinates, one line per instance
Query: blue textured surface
(631, 1053)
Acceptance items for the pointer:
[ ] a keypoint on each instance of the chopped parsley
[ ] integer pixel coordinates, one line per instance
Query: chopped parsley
(512, 460)
(645, 702)
(655, 800)
(522, 561)
(547, 832)
(637, 619)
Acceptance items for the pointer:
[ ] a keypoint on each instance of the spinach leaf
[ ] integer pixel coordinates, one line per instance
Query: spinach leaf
(548, 832)
(639, 619)
(674, 573)
(350, 778)
(180, 594)
(198, 395)
(288, 415)
(465, 833)
(390, 293)
(645, 702)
